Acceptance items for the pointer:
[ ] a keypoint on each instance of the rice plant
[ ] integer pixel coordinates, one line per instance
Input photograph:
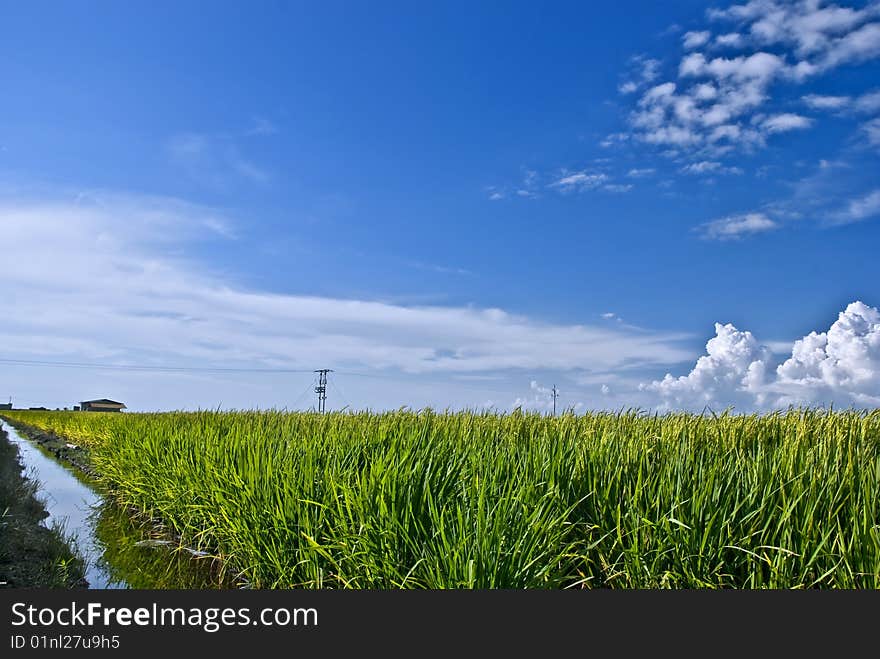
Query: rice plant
(479, 500)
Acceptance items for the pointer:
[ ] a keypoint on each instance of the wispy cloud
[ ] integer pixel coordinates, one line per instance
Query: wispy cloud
(861, 208)
(781, 123)
(831, 192)
(153, 306)
(735, 227)
(541, 399)
(579, 181)
(613, 139)
(825, 102)
(221, 227)
(866, 103)
(440, 269)
(566, 181)
(494, 193)
(213, 160)
(582, 181)
(529, 187)
(261, 127)
(643, 71)
(872, 131)
(709, 167)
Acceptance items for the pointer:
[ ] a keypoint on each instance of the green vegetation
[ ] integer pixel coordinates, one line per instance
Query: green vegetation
(427, 500)
(137, 554)
(31, 555)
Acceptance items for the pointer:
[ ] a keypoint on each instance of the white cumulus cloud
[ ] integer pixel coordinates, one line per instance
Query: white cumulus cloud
(839, 366)
(825, 34)
(734, 364)
(540, 398)
(695, 39)
(729, 40)
(717, 103)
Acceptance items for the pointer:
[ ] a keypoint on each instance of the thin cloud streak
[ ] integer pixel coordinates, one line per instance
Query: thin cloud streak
(152, 306)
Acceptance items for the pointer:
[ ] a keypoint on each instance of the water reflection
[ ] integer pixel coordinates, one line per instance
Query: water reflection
(140, 556)
(120, 552)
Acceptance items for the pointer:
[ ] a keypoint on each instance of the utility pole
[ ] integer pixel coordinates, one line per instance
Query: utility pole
(321, 389)
(555, 396)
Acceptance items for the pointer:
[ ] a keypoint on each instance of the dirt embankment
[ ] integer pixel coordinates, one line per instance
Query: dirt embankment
(31, 555)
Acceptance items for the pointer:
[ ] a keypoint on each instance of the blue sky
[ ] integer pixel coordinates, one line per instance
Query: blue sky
(457, 205)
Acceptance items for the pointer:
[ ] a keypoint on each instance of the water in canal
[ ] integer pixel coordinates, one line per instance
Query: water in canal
(119, 552)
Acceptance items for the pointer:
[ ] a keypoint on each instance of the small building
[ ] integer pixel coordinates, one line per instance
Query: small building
(101, 405)
(5, 406)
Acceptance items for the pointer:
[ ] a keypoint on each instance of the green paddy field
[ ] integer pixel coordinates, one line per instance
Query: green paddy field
(471, 500)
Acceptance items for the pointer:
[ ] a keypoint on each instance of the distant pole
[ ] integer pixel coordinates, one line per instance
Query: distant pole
(555, 396)
(321, 389)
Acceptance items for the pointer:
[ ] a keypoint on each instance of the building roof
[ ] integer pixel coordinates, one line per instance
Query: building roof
(103, 401)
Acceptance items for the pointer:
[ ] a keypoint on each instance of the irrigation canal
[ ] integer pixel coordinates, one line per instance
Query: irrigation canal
(119, 551)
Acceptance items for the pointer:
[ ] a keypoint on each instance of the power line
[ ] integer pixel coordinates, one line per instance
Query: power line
(341, 395)
(161, 369)
(214, 369)
(302, 395)
(369, 375)
(222, 369)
